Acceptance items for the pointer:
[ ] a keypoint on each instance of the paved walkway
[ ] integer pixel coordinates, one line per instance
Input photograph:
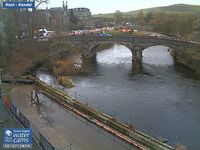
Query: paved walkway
(11, 123)
(61, 127)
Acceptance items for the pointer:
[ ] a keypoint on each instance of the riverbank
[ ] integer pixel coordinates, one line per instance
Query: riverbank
(20, 60)
(61, 62)
(190, 61)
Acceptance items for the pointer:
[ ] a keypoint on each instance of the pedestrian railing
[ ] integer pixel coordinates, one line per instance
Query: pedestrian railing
(44, 144)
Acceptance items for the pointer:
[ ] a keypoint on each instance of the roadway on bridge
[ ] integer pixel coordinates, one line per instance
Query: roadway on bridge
(61, 127)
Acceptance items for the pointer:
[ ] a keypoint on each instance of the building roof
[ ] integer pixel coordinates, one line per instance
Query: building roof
(80, 8)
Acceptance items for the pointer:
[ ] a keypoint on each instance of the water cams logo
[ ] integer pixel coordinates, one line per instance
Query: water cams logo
(8, 133)
(17, 138)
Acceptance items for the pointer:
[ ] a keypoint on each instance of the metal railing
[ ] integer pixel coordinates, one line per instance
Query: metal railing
(22, 120)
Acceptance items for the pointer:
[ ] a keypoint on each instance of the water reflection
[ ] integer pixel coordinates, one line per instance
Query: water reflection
(160, 101)
(157, 56)
(119, 55)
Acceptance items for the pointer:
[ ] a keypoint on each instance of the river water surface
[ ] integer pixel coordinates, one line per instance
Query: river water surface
(158, 100)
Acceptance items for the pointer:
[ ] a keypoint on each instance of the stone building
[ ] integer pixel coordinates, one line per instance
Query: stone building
(56, 18)
(59, 17)
(42, 18)
(82, 13)
(84, 16)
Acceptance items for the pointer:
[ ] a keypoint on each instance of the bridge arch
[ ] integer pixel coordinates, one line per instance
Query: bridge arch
(135, 48)
(172, 48)
(93, 47)
(158, 55)
(91, 52)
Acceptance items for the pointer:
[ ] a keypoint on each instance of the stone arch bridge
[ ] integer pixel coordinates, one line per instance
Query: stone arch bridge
(136, 44)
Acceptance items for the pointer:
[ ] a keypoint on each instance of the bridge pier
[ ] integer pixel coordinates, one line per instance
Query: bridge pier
(87, 61)
(136, 59)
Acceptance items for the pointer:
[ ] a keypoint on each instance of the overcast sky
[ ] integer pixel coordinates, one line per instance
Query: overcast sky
(109, 6)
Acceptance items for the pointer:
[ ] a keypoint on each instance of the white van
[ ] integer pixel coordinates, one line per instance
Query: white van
(50, 34)
(43, 33)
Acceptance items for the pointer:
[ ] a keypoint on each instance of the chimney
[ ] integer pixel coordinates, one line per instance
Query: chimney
(66, 6)
(63, 4)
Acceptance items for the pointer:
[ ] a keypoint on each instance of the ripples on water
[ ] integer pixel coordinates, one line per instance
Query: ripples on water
(159, 100)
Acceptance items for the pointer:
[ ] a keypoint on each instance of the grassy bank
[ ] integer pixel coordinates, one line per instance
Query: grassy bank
(191, 61)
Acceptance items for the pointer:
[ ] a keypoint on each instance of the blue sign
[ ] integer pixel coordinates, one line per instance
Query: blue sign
(17, 138)
(18, 4)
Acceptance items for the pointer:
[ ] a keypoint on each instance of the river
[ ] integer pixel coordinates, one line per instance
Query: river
(158, 100)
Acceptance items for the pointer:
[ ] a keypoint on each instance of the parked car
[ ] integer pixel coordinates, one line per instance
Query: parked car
(103, 34)
(44, 33)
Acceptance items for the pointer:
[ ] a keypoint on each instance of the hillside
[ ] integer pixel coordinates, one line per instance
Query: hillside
(177, 8)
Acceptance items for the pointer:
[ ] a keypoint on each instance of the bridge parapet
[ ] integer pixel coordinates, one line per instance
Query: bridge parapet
(133, 39)
(84, 40)
(136, 44)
